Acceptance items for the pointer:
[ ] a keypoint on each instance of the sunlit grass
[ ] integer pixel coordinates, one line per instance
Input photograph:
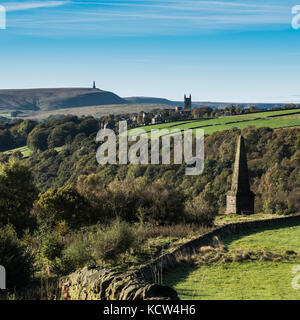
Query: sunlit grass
(245, 280)
(275, 240)
(26, 152)
(235, 281)
(223, 219)
(271, 119)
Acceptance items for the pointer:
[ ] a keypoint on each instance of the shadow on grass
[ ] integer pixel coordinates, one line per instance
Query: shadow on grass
(236, 236)
(181, 273)
(177, 275)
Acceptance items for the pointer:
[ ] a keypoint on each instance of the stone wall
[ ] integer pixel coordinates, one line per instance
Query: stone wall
(152, 271)
(94, 283)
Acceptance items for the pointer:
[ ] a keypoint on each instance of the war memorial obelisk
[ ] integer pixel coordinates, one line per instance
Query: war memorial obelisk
(240, 199)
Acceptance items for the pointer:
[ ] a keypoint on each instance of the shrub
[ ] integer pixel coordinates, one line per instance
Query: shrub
(51, 247)
(62, 228)
(135, 200)
(15, 258)
(202, 209)
(122, 198)
(111, 242)
(162, 204)
(77, 255)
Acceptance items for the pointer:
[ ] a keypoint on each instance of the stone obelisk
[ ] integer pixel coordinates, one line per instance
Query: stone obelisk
(240, 199)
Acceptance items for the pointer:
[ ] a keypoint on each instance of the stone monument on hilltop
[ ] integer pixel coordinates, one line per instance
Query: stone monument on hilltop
(240, 199)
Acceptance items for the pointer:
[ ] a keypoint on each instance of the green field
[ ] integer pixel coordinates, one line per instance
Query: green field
(243, 280)
(275, 240)
(26, 152)
(266, 114)
(271, 119)
(235, 281)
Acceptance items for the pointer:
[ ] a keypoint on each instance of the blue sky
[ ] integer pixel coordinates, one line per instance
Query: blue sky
(234, 51)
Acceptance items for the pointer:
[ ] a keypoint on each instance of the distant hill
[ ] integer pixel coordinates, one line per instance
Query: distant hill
(56, 98)
(216, 105)
(137, 100)
(43, 100)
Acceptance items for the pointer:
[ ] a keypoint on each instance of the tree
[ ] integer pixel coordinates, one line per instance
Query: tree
(37, 139)
(289, 106)
(6, 141)
(26, 127)
(203, 208)
(201, 112)
(254, 109)
(64, 204)
(161, 204)
(17, 195)
(89, 126)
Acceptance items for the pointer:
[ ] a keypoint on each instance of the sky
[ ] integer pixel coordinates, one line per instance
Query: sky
(225, 51)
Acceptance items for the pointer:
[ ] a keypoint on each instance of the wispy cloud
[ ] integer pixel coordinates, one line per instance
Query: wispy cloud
(151, 16)
(185, 4)
(21, 6)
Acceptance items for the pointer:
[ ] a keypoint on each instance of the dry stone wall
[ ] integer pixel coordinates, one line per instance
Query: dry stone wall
(152, 270)
(106, 284)
(95, 283)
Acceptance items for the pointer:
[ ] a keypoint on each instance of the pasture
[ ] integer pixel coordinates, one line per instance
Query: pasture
(271, 119)
(267, 277)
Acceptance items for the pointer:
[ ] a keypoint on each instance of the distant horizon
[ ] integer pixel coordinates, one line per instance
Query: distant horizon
(148, 96)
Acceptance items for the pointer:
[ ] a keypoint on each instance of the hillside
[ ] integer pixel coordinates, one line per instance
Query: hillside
(137, 100)
(52, 99)
(65, 177)
(56, 98)
(211, 104)
(270, 119)
(95, 111)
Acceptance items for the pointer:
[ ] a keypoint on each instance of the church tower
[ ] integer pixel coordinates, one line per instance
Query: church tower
(187, 102)
(240, 199)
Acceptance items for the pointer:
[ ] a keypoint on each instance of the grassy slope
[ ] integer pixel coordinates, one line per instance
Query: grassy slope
(243, 280)
(272, 119)
(26, 151)
(275, 240)
(235, 281)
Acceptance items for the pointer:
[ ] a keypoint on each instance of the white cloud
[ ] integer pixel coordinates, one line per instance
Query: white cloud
(20, 6)
(187, 4)
(150, 17)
